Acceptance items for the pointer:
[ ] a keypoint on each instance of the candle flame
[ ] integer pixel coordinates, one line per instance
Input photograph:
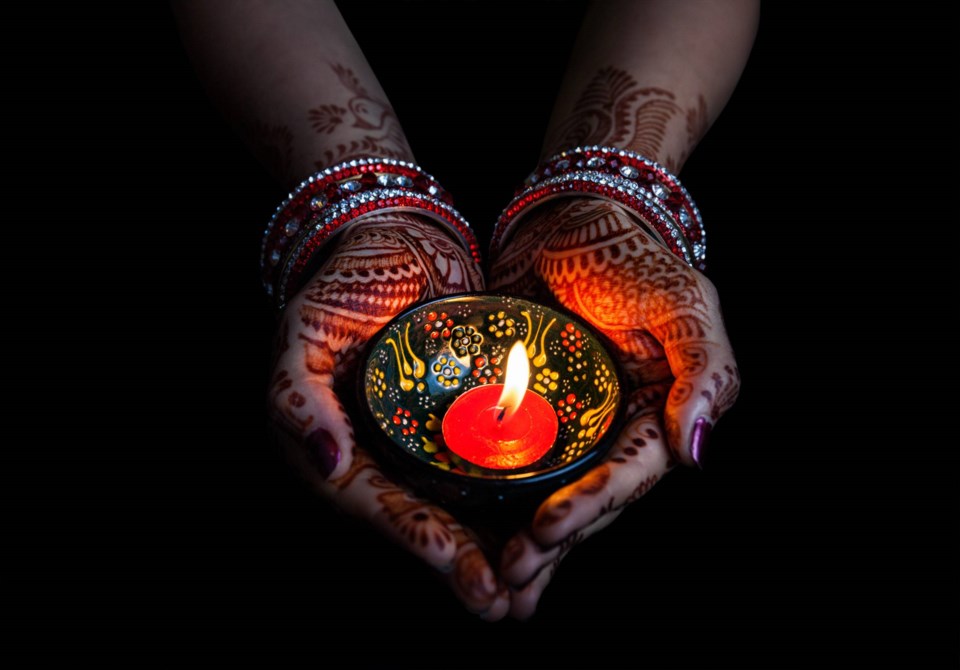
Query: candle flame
(515, 384)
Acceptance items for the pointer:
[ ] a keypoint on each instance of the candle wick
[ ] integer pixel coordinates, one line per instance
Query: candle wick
(500, 415)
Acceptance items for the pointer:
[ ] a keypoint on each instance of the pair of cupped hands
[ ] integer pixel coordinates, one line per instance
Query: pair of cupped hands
(591, 256)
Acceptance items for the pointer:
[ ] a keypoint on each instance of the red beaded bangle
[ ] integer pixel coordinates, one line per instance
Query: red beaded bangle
(325, 202)
(647, 188)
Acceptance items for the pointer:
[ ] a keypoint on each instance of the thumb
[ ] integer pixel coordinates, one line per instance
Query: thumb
(305, 407)
(706, 379)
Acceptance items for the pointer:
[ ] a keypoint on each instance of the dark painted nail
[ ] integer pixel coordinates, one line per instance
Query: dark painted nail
(322, 450)
(699, 439)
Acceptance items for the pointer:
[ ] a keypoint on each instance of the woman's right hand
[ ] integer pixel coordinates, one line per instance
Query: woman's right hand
(663, 320)
(385, 263)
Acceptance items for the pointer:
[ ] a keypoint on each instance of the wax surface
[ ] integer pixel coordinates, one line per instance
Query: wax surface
(471, 429)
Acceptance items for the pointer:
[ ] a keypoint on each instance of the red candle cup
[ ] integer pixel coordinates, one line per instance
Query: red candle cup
(473, 429)
(488, 398)
(502, 426)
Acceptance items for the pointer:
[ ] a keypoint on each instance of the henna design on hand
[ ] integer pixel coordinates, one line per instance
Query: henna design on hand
(381, 265)
(663, 317)
(614, 110)
(384, 264)
(286, 415)
(372, 123)
(413, 518)
(593, 483)
(554, 514)
(726, 387)
(387, 263)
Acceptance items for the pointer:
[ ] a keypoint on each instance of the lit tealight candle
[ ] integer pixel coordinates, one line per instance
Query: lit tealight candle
(502, 426)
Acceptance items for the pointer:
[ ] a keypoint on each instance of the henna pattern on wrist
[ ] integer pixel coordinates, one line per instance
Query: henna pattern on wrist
(371, 122)
(614, 110)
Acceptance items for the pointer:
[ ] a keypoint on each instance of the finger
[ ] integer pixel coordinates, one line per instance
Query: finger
(535, 566)
(707, 379)
(638, 459)
(472, 579)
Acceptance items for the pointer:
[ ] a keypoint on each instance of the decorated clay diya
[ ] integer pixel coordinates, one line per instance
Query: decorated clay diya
(488, 398)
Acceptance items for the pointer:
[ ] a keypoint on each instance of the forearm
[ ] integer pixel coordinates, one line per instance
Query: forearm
(652, 76)
(289, 75)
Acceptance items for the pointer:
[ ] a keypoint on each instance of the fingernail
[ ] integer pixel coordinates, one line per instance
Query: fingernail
(699, 439)
(322, 450)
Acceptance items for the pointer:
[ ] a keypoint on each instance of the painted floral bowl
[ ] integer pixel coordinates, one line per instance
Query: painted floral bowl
(434, 352)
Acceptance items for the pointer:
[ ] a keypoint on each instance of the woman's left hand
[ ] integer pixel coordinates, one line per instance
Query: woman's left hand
(663, 318)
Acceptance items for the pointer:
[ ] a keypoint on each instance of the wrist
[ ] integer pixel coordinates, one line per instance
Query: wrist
(543, 220)
(645, 188)
(324, 204)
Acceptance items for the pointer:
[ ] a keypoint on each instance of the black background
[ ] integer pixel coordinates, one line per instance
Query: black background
(150, 513)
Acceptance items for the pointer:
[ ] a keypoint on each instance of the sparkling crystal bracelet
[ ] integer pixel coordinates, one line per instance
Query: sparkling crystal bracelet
(641, 185)
(325, 202)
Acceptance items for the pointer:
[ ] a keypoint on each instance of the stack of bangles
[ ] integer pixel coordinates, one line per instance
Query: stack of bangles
(323, 204)
(646, 188)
